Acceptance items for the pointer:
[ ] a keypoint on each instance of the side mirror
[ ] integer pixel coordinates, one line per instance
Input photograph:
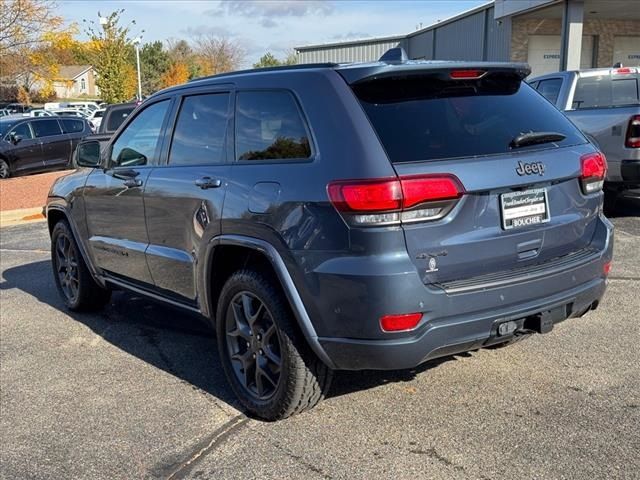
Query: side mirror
(15, 138)
(88, 154)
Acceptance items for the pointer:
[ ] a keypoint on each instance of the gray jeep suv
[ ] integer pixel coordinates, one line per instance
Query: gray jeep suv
(340, 217)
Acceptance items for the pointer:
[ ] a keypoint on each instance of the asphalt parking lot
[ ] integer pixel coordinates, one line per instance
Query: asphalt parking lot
(136, 392)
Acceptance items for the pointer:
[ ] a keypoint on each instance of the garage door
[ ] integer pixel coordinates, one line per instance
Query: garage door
(626, 50)
(544, 53)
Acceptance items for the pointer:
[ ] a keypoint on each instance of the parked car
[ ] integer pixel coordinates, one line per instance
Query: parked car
(4, 112)
(114, 115)
(88, 106)
(18, 108)
(604, 103)
(69, 112)
(340, 217)
(39, 112)
(38, 144)
(96, 117)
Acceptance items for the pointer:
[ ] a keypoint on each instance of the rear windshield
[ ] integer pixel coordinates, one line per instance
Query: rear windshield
(606, 91)
(421, 118)
(117, 117)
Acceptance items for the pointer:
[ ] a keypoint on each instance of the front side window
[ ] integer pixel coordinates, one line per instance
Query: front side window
(46, 128)
(269, 127)
(23, 131)
(200, 131)
(137, 144)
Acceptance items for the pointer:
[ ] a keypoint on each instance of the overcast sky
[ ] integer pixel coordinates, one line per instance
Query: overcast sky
(275, 26)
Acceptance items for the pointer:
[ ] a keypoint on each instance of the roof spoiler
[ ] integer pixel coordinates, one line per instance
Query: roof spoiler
(394, 56)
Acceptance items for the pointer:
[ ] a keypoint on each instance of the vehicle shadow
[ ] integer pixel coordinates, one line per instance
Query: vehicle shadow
(627, 205)
(177, 342)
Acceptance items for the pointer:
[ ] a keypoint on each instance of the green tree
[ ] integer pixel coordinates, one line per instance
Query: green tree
(110, 51)
(154, 63)
(269, 60)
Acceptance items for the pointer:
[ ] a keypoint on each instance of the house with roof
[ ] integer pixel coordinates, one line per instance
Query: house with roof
(74, 81)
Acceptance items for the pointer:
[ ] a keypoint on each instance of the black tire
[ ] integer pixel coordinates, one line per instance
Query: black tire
(5, 171)
(75, 284)
(611, 197)
(302, 379)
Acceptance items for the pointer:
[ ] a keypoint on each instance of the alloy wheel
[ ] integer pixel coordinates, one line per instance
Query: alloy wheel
(253, 345)
(4, 169)
(67, 267)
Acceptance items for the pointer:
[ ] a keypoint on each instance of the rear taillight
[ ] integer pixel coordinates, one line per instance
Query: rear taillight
(594, 169)
(633, 133)
(393, 200)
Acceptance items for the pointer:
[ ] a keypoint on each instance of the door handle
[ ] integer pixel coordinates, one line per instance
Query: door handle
(207, 182)
(132, 182)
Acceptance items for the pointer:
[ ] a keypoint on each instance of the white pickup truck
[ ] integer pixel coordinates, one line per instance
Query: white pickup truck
(605, 104)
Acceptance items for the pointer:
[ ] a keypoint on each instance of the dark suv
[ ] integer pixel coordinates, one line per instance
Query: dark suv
(341, 217)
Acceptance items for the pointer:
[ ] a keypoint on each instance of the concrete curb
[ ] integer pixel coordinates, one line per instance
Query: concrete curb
(18, 217)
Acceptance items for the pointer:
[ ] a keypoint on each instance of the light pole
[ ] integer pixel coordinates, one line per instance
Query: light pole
(136, 43)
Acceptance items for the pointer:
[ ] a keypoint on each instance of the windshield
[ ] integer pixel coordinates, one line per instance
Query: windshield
(424, 118)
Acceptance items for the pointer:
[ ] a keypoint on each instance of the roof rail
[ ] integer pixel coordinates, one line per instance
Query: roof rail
(304, 66)
(395, 55)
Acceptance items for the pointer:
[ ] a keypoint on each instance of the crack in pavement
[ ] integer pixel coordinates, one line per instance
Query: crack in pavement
(218, 438)
(301, 461)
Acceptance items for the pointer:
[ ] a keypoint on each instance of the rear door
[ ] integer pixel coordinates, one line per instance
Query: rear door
(434, 124)
(113, 196)
(184, 197)
(56, 145)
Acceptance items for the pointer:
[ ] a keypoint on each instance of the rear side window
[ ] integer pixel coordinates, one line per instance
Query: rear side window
(117, 118)
(200, 130)
(420, 118)
(72, 126)
(269, 126)
(550, 89)
(606, 91)
(46, 128)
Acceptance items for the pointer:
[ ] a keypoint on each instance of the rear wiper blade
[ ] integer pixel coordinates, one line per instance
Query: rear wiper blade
(535, 138)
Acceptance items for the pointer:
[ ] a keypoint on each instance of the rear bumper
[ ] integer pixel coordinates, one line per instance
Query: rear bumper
(467, 320)
(456, 335)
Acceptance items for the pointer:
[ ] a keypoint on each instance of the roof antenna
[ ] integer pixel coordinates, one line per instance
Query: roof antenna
(394, 55)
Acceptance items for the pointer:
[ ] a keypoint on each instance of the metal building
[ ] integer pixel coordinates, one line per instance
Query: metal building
(550, 35)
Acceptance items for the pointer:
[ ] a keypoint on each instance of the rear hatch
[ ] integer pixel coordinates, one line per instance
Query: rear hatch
(514, 159)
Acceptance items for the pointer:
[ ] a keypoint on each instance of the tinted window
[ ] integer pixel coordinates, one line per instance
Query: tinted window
(138, 142)
(72, 126)
(98, 114)
(117, 117)
(200, 130)
(424, 118)
(606, 91)
(550, 89)
(46, 128)
(23, 131)
(269, 126)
